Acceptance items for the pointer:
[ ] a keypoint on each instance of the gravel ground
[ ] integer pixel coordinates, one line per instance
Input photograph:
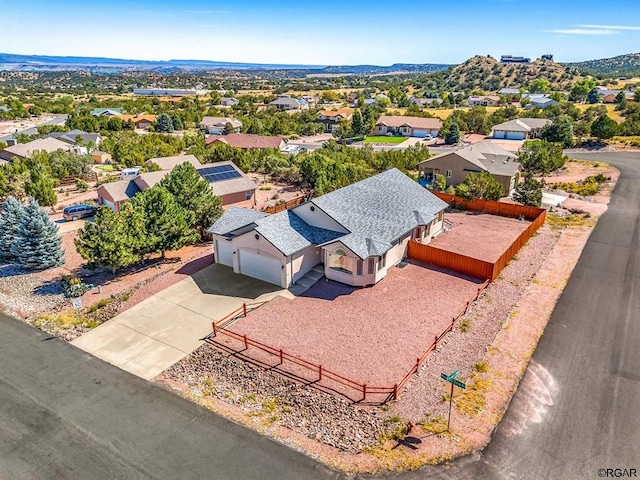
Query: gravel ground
(479, 235)
(338, 423)
(371, 335)
(24, 293)
(272, 398)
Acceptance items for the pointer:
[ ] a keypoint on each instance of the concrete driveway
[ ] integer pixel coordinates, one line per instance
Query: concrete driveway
(153, 335)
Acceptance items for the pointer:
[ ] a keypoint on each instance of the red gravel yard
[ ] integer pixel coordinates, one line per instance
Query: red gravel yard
(371, 335)
(482, 236)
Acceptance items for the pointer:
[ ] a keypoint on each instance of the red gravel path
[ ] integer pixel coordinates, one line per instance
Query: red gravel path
(482, 236)
(371, 335)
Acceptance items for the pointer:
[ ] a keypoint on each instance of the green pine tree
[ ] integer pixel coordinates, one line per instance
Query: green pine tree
(164, 124)
(11, 214)
(529, 192)
(193, 193)
(453, 136)
(37, 245)
(106, 241)
(167, 224)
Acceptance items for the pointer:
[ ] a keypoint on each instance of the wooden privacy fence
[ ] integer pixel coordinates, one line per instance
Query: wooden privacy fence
(87, 177)
(389, 392)
(279, 207)
(473, 266)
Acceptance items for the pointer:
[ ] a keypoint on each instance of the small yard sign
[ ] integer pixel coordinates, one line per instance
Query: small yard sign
(77, 303)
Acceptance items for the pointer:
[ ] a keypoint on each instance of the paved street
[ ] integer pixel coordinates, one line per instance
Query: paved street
(65, 414)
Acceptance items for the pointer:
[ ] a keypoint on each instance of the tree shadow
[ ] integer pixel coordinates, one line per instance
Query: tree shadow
(12, 270)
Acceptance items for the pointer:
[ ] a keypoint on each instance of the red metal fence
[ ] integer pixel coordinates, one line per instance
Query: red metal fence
(473, 266)
(389, 392)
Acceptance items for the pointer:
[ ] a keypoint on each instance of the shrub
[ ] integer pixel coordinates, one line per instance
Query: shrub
(74, 286)
(82, 185)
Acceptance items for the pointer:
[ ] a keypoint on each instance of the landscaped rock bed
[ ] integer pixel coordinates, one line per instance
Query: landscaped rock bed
(209, 372)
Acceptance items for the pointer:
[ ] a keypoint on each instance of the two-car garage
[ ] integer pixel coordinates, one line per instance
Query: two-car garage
(509, 135)
(252, 263)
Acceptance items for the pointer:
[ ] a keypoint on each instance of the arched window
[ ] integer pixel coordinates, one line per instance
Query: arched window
(341, 252)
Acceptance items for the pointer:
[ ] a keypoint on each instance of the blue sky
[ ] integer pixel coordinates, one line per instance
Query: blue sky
(336, 33)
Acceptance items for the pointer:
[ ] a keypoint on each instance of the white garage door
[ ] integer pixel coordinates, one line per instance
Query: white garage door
(420, 133)
(262, 267)
(224, 252)
(515, 135)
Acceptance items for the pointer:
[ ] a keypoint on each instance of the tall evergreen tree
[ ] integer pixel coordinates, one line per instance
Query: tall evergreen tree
(453, 136)
(37, 245)
(194, 194)
(164, 124)
(10, 216)
(529, 192)
(167, 224)
(106, 242)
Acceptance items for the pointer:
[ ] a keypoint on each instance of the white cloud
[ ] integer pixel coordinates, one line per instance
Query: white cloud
(584, 31)
(612, 27)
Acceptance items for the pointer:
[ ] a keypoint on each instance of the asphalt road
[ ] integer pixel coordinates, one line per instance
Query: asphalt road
(67, 415)
(64, 414)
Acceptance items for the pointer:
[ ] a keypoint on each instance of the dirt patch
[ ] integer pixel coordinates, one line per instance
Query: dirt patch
(479, 235)
(270, 192)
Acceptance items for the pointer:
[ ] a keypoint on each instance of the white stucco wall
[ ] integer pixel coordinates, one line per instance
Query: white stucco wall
(302, 262)
(318, 218)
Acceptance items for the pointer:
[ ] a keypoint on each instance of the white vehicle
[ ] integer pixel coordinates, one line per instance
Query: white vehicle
(129, 173)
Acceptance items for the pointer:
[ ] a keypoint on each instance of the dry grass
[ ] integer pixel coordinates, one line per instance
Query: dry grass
(611, 110)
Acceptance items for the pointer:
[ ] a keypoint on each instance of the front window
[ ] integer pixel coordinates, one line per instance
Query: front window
(247, 195)
(383, 262)
(339, 261)
(448, 173)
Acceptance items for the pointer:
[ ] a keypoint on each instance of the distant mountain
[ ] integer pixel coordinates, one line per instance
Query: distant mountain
(487, 73)
(10, 61)
(14, 62)
(627, 65)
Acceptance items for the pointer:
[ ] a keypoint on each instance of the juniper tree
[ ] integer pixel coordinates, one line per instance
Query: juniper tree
(11, 214)
(37, 245)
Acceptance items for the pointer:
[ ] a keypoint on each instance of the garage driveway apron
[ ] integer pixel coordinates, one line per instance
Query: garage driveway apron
(159, 331)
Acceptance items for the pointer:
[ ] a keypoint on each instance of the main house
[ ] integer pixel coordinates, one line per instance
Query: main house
(226, 180)
(358, 232)
(332, 119)
(408, 126)
(520, 128)
(480, 157)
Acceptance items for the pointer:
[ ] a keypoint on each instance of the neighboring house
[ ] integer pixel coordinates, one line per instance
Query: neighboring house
(75, 136)
(141, 121)
(216, 125)
(168, 163)
(520, 128)
(509, 91)
(484, 101)
(331, 119)
(287, 102)
(609, 96)
(358, 232)
(480, 157)
(424, 102)
(246, 140)
(539, 100)
(229, 101)
(106, 112)
(101, 157)
(408, 126)
(312, 99)
(226, 180)
(24, 150)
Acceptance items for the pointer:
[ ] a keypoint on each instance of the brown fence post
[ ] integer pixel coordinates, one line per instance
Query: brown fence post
(395, 391)
(364, 392)
(244, 309)
(319, 372)
(417, 364)
(281, 357)
(246, 343)
(213, 325)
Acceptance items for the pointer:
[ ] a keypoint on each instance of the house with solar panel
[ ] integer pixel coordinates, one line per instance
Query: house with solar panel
(354, 234)
(226, 180)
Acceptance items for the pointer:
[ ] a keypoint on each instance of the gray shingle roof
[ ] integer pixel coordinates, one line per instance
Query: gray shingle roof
(376, 212)
(379, 210)
(522, 124)
(486, 156)
(121, 190)
(235, 218)
(289, 233)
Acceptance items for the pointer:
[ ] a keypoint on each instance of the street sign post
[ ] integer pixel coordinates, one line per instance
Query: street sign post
(451, 378)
